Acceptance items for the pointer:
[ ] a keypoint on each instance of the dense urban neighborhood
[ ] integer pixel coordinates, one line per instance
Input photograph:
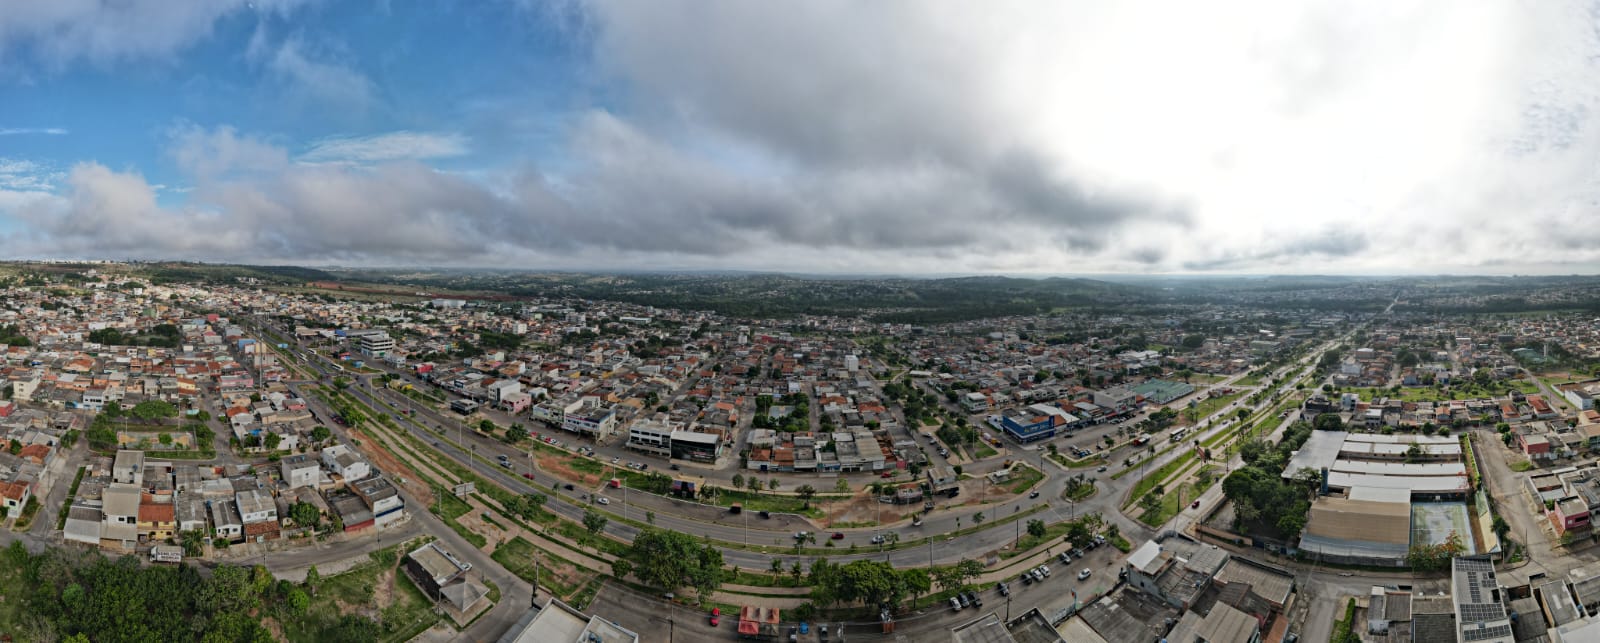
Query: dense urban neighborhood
(1361, 461)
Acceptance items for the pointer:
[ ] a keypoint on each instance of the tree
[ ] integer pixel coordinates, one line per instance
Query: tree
(806, 492)
(272, 440)
(772, 484)
(777, 567)
(312, 579)
(670, 559)
(797, 571)
(738, 481)
(305, 514)
(621, 568)
(516, 434)
(1037, 528)
(1328, 422)
(298, 601)
(486, 426)
(842, 486)
(1079, 534)
(977, 518)
(154, 409)
(650, 517)
(593, 522)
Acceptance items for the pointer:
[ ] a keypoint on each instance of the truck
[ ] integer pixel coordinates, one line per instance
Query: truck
(166, 554)
(614, 483)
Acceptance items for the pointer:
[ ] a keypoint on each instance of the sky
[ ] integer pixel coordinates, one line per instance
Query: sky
(879, 136)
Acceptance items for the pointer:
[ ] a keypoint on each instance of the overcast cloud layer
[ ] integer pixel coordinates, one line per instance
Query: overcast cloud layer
(868, 137)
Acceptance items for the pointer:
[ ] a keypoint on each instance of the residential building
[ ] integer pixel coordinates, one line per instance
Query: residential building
(345, 462)
(382, 498)
(300, 470)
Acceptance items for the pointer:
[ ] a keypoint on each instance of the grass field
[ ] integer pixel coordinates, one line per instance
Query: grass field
(1023, 477)
(517, 556)
(1206, 407)
(408, 613)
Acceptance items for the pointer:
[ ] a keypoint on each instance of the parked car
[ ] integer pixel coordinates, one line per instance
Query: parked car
(1194, 505)
(1003, 588)
(528, 476)
(1027, 577)
(1045, 569)
(1035, 494)
(1077, 553)
(716, 615)
(1102, 469)
(955, 604)
(838, 535)
(567, 486)
(765, 514)
(974, 600)
(1084, 574)
(675, 467)
(1064, 558)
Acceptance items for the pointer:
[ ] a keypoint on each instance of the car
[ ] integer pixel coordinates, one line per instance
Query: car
(972, 597)
(616, 460)
(505, 464)
(602, 500)
(1083, 574)
(1194, 505)
(716, 615)
(1102, 469)
(955, 604)
(805, 628)
(643, 466)
(567, 486)
(1035, 494)
(674, 468)
(887, 474)
(965, 602)
(528, 476)
(503, 458)
(1077, 553)
(838, 535)
(765, 514)
(1038, 576)
(1045, 569)
(1003, 588)
(1027, 577)
(877, 538)
(1064, 558)
(800, 534)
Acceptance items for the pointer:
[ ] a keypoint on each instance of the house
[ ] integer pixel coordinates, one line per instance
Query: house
(341, 460)
(382, 498)
(128, 467)
(225, 523)
(299, 470)
(119, 516)
(157, 521)
(255, 506)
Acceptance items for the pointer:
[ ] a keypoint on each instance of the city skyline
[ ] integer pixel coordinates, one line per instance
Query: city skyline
(826, 138)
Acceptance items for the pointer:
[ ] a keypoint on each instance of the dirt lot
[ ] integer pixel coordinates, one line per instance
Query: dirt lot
(557, 466)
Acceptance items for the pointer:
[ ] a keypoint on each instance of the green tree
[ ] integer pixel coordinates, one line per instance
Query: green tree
(298, 601)
(516, 434)
(305, 514)
(320, 434)
(1037, 528)
(777, 567)
(671, 559)
(806, 492)
(593, 522)
(486, 426)
(621, 568)
(738, 481)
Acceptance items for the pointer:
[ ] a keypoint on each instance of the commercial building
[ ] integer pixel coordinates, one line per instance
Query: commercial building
(558, 622)
(377, 344)
(443, 577)
(696, 446)
(1036, 422)
(1162, 391)
(1480, 611)
(652, 437)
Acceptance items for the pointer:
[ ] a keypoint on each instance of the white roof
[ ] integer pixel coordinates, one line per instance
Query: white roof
(1421, 469)
(1381, 494)
(1320, 450)
(1412, 484)
(1146, 553)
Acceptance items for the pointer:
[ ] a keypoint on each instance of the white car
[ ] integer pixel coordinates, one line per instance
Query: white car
(1083, 574)
(603, 500)
(1045, 569)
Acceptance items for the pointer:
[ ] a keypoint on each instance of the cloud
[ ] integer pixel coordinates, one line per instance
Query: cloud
(57, 34)
(390, 146)
(16, 131)
(312, 72)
